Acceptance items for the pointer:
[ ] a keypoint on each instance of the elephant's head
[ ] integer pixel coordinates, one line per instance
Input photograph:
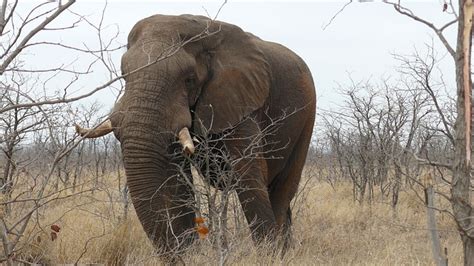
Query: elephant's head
(219, 79)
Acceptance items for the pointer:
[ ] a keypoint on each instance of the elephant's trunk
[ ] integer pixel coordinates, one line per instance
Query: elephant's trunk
(163, 198)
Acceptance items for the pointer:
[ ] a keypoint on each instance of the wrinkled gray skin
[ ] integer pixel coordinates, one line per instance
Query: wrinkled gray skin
(222, 79)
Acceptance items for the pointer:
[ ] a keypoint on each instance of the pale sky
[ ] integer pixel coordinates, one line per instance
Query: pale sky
(359, 42)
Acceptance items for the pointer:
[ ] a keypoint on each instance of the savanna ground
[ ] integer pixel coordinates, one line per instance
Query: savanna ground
(330, 228)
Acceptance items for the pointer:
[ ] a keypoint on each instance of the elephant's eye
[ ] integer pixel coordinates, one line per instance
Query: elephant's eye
(190, 82)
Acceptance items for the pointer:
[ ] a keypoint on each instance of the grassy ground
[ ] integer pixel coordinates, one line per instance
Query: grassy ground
(329, 229)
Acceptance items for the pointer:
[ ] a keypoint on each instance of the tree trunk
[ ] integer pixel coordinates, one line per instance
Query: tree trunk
(432, 226)
(8, 171)
(461, 198)
(468, 247)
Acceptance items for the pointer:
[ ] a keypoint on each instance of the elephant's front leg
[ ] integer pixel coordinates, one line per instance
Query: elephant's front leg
(250, 171)
(255, 202)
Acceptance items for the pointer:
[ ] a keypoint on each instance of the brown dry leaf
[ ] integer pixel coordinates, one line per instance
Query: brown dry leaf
(55, 228)
(53, 236)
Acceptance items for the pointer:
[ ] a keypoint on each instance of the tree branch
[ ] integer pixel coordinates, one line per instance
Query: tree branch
(32, 33)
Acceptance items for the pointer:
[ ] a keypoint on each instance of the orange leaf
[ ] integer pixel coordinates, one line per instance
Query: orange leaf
(202, 231)
(199, 220)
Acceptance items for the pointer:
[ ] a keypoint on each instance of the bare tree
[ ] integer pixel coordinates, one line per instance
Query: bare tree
(15, 127)
(374, 134)
(222, 179)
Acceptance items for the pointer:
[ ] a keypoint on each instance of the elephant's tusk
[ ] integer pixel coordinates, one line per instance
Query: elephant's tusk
(186, 141)
(103, 129)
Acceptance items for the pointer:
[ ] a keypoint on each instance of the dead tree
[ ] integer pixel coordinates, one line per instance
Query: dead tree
(219, 215)
(15, 125)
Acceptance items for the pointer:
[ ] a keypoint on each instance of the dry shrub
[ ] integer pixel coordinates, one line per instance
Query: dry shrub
(126, 239)
(37, 248)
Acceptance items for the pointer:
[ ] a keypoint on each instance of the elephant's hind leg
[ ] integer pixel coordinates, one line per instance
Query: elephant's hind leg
(285, 185)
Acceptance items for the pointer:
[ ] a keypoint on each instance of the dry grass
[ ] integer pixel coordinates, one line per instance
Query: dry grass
(329, 229)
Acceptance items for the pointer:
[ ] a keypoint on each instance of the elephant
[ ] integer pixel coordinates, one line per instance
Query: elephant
(221, 79)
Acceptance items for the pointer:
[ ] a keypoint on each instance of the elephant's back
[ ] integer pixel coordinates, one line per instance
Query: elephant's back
(291, 80)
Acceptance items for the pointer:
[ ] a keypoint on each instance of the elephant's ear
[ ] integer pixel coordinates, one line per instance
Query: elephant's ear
(239, 83)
